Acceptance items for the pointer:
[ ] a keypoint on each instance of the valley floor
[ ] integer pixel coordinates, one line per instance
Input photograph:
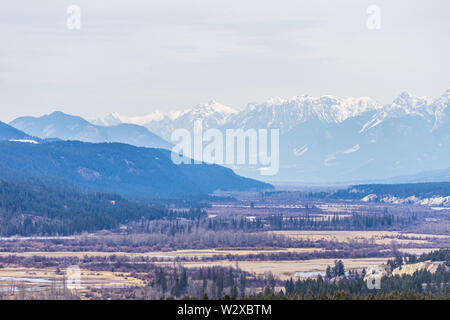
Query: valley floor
(240, 238)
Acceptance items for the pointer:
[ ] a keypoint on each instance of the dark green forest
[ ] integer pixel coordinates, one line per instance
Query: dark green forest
(132, 172)
(36, 208)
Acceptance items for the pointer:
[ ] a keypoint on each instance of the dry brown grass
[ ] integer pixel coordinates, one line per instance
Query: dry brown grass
(286, 269)
(417, 251)
(378, 237)
(89, 279)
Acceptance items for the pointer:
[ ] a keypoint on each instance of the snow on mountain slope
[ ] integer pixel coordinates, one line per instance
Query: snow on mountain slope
(211, 111)
(433, 111)
(425, 201)
(274, 113)
(115, 118)
(212, 114)
(287, 113)
(442, 109)
(330, 139)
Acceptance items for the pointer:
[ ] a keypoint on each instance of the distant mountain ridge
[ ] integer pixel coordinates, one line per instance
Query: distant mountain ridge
(425, 176)
(286, 114)
(435, 112)
(203, 111)
(8, 132)
(119, 168)
(330, 139)
(68, 127)
(212, 113)
(327, 139)
(274, 113)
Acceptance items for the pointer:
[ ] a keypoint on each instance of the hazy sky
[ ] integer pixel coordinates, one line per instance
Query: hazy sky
(134, 57)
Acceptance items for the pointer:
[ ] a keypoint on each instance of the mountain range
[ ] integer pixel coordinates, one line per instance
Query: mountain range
(279, 113)
(322, 139)
(67, 127)
(9, 133)
(212, 114)
(134, 172)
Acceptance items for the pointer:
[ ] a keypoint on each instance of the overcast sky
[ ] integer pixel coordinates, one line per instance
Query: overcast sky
(134, 57)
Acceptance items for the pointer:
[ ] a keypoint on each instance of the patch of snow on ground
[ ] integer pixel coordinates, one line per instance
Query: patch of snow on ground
(24, 141)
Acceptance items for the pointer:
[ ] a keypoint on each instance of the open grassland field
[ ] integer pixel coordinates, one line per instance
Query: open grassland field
(43, 278)
(162, 254)
(378, 237)
(258, 239)
(417, 251)
(290, 269)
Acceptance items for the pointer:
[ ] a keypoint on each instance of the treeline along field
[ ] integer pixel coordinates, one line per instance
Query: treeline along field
(36, 208)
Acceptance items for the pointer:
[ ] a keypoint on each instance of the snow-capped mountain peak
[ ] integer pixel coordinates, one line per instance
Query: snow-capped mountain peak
(405, 104)
(116, 118)
(212, 114)
(409, 103)
(205, 110)
(111, 119)
(287, 113)
(442, 109)
(208, 109)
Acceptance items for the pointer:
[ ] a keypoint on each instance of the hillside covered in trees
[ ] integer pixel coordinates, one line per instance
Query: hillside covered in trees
(9, 133)
(132, 172)
(35, 208)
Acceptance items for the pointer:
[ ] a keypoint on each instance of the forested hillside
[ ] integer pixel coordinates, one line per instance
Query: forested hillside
(119, 168)
(7, 133)
(35, 208)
